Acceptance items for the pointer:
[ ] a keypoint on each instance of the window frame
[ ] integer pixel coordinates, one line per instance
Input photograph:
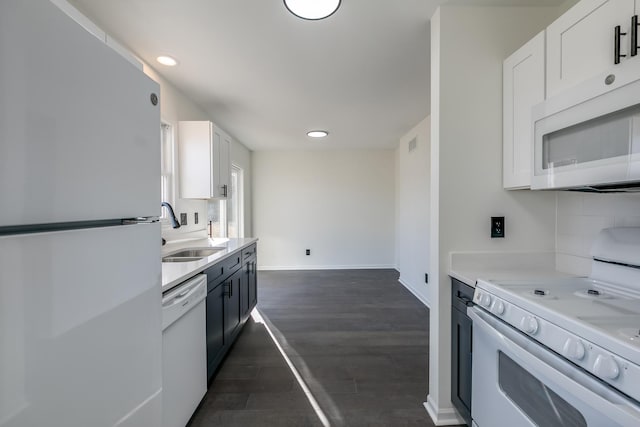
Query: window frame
(237, 199)
(167, 167)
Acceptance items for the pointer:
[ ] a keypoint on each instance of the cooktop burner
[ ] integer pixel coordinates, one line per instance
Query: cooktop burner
(592, 294)
(631, 334)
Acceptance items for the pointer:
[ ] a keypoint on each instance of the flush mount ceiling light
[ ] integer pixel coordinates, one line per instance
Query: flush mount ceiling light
(167, 60)
(317, 133)
(312, 10)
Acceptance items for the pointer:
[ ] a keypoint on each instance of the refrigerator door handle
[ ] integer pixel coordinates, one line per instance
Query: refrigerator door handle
(140, 220)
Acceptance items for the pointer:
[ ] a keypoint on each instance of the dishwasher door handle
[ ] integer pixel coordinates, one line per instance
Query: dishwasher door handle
(178, 302)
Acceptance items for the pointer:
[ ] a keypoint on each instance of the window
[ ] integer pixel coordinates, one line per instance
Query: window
(226, 217)
(236, 206)
(217, 218)
(167, 167)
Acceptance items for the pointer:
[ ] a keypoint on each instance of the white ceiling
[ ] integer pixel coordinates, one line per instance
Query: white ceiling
(268, 77)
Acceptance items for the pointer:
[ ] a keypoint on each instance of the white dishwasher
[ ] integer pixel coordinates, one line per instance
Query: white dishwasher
(184, 351)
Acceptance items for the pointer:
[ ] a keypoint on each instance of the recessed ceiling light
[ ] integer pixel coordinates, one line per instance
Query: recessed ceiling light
(167, 60)
(317, 133)
(312, 9)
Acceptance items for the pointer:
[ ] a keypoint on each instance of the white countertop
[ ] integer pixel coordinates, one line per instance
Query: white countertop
(468, 267)
(173, 273)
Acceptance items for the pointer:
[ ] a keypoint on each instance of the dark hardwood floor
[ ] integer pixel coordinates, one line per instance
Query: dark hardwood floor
(357, 340)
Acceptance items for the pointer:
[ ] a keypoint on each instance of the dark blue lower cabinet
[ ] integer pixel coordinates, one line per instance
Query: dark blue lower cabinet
(232, 309)
(253, 284)
(228, 307)
(215, 327)
(461, 348)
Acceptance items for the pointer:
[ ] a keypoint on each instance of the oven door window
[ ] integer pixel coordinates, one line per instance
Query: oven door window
(541, 404)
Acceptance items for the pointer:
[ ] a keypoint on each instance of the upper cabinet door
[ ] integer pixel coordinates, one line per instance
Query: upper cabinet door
(222, 163)
(580, 44)
(523, 80)
(216, 185)
(225, 165)
(79, 133)
(204, 160)
(195, 142)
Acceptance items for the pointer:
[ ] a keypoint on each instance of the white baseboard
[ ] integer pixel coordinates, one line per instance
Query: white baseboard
(443, 416)
(415, 293)
(325, 267)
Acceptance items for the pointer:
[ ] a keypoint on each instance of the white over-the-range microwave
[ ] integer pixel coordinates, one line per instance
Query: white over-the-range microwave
(589, 136)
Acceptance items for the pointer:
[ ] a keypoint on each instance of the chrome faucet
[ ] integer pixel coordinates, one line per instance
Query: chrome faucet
(174, 220)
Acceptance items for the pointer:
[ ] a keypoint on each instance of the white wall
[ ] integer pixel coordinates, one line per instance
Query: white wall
(412, 209)
(339, 204)
(468, 47)
(581, 216)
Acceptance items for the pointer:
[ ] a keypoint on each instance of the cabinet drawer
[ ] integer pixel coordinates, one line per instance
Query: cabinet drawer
(249, 252)
(461, 295)
(231, 264)
(214, 275)
(217, 273)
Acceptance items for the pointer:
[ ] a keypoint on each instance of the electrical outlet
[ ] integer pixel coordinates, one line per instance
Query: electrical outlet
(195, 218)
(497, 227)
(308, 251)
(183, 219)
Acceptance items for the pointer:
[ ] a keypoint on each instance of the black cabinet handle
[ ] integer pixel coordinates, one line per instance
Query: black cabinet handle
(634, 35)
(228, 289)
(224, 190)
(466, 301)
(616, 44)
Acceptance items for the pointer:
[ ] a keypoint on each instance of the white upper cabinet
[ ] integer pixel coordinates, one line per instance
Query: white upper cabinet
(523, 87)
(582, 44)
(204, 160)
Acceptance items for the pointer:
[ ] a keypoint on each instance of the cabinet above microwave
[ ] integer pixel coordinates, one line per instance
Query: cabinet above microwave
(589, 136)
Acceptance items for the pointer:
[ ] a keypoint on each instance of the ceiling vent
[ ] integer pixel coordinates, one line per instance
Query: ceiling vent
(413, 144)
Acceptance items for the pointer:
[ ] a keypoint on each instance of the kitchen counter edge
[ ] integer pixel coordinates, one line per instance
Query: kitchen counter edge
(468, 267)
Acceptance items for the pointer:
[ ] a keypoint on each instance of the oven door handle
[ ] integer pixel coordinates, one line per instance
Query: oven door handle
(570, 379)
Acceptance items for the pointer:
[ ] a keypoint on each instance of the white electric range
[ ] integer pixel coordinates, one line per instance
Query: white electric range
(561, 352)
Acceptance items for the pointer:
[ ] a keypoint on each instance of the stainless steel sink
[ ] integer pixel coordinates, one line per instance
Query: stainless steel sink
(188, 255)
(195, 253)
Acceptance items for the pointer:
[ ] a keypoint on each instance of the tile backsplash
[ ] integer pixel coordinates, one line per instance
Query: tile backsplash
(580, 216)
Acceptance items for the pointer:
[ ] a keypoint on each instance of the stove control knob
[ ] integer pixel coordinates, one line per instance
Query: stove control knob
(606, 367)
(498, 308)
(485, 300)
(529, 324)
(573, 349)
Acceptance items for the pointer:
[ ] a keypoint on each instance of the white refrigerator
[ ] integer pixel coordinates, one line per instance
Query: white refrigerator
(80, 285)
